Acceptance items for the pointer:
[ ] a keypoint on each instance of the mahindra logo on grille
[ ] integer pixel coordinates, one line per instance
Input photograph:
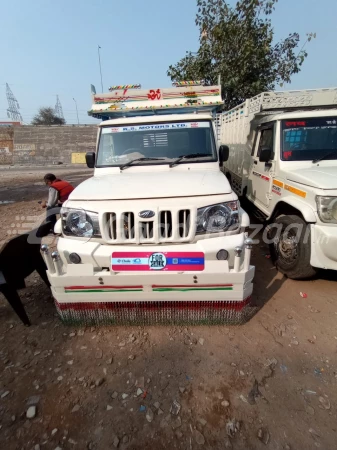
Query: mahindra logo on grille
(146, 214)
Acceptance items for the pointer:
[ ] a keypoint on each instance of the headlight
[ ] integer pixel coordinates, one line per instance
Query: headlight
(218, 218)
(77, 222)
(327, 209)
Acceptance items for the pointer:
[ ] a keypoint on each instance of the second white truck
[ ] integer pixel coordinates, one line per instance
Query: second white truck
(283, 158)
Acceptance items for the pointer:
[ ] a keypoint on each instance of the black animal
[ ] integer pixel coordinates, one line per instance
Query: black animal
(19, 257)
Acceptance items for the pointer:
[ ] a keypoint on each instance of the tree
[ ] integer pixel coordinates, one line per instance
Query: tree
(237, 42)
(47, 116)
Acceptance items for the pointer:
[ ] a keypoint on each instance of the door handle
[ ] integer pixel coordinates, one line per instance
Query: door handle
(255, 162)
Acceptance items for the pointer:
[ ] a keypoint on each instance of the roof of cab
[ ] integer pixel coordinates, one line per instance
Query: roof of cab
(296, 114)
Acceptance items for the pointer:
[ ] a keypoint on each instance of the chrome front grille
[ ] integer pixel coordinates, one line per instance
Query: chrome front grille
(146, 230)
(165, 230)
(165, 226)
(128, 222)
(184, 223)
(112, 226)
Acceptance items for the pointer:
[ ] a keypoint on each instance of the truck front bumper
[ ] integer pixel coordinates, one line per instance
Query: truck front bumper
(92, 292)
(323, 246)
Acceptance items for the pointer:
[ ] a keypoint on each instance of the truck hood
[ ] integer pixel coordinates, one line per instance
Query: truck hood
(141, 185)
(318, 177)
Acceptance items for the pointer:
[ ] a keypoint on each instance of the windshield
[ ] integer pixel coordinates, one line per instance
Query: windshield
(309, 139)
(167, 141)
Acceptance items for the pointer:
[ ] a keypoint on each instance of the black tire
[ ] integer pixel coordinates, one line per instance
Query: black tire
(291, 247)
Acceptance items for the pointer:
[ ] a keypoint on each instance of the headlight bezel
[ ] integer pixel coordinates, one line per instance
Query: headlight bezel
(91, 218)
(325, 204)
(232, 209)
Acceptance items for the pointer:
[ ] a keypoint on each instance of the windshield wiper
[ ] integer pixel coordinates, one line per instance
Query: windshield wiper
(128, 164)
(325, 156)
(191, 155)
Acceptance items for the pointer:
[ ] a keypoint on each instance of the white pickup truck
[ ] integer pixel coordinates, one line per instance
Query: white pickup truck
(157, 234)
(283, 158)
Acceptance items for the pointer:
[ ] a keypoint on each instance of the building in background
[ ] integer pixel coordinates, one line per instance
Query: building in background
(9, 124)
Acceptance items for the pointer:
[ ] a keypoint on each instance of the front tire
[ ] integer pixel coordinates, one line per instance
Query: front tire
(291, 247)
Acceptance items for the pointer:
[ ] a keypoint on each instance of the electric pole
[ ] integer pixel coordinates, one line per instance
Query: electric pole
(100, 66)
(76, 111)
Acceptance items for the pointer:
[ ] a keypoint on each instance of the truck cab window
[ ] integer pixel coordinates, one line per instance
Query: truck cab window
(309, 139)
(266, 139)
(168, 141)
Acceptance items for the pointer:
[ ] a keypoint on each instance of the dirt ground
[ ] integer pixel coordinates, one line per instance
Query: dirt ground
(270, 383)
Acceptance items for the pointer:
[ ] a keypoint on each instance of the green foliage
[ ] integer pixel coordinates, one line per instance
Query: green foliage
(238, 44)
(47, 116)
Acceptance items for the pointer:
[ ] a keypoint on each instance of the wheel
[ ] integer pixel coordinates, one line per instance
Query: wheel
(291, 247)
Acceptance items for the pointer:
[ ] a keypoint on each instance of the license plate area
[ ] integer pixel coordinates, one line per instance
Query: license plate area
(157, 261)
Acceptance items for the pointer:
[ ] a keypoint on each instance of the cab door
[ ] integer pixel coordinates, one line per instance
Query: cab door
(260, 178)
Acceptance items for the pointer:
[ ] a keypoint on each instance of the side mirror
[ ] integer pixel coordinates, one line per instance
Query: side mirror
(223, 154)
(90, 159)
(265, 154)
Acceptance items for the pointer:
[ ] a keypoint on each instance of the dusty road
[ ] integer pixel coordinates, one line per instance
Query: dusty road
(113, 387)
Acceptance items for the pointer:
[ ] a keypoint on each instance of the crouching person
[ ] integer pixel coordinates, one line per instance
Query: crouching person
(59, 191)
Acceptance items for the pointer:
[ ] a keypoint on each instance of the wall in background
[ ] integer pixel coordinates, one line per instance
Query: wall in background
(6, 144)
(46, 145)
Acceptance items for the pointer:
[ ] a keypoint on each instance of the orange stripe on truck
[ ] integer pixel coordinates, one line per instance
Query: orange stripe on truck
(295, 191)
(278, 183)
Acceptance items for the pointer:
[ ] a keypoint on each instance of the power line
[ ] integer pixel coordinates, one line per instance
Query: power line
(58, 108)
(13, 105)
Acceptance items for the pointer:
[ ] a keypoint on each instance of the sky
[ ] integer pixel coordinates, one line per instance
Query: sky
(50, 48)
